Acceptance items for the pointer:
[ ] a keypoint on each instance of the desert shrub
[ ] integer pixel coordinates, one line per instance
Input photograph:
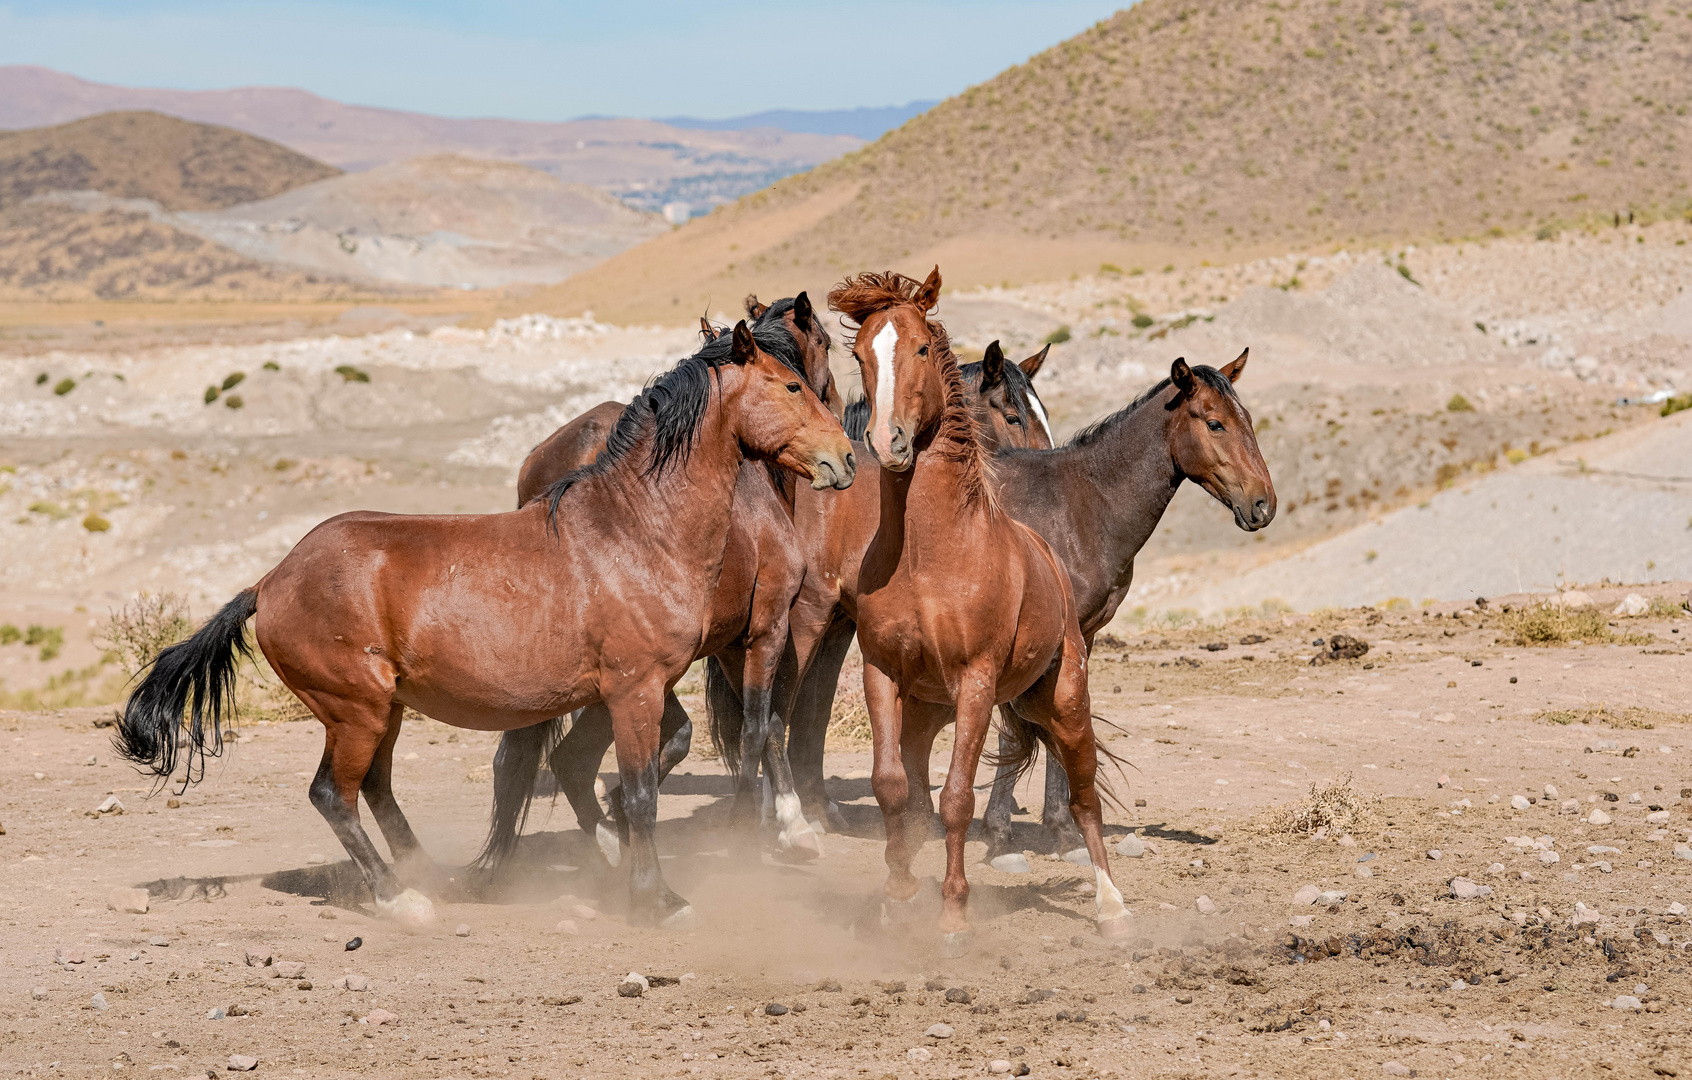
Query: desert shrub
(1397, 603)
(1337, 807)
(233, 401)
(1058, 336)
(271, 365)
(64, 386)
(10, 634)
(1550, 624)
(50, 638)
(212, 393)
(1627, 718)
(41, 378)
(95, 523)
(143, 628)
(1142, 320)
(1459, 403)
(1665, 607)
(1677, 404)
(1110, 269)
(50, 509)
(348, 373)
(232, 380)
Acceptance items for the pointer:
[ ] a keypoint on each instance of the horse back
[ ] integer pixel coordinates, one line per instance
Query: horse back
(569, 448)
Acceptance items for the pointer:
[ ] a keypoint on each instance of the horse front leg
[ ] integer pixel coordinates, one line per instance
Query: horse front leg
(891, 784)
(764, 655)
(957, 803)
(637, 715)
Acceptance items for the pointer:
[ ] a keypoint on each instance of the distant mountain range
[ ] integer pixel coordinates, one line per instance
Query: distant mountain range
(646, 163)
(868, 124)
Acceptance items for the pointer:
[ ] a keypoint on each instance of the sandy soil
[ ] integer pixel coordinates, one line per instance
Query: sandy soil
(1396, 971)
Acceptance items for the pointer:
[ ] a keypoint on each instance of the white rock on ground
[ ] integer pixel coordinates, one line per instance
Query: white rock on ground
(1464, 889)
(1683, 851)
(98, 1003)
(39, 993)
(1627, 1003)
(1632, 606)
(1205, 905)
(1331, 897)
(378, 1017)
(242, 1063)
(1014, 863)
(1584, 915)
(1519, 802)
(1598, 817)
(566, 926)
(918, 1053)
(939, 1031)
(1550, 791)
(1395, 1068)
(130, 901)
(259, 956)
(462, 930)
(998, 1065)
(1131, 847)
(1307, 895)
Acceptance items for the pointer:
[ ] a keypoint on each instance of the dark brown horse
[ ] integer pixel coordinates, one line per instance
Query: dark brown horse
(761, 573)
(959, 606)
(1096, 501)
(600, 592)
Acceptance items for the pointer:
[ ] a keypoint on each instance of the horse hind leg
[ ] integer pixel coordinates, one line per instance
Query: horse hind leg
(1056, 818)
(378, 792)
(352, 738)
(1002, 853)
(636, 726)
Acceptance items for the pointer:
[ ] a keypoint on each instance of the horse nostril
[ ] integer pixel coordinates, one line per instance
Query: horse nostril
(851, 462)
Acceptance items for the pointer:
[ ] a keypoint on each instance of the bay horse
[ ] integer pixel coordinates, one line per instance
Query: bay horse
(1096, 501)
(761, 572)
(959, 606)
(599, 592)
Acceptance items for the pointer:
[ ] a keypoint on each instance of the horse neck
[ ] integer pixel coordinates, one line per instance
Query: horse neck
(942, 498)
(686, 508)
(1129, 469)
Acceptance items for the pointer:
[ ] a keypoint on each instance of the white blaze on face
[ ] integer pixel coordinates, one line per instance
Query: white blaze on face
(881, 435)
(1040, 414)
(1109, 897)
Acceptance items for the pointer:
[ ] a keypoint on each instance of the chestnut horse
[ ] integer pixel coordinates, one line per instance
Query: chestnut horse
(959, 606)
(762, 570)
(599, 592)
(1096, 501)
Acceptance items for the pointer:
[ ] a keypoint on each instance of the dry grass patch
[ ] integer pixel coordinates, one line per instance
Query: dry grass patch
(1627, 718)
(1548, 624)
(1337, 806)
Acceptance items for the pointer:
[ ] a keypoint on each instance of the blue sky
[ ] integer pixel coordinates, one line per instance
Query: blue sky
(548, 61)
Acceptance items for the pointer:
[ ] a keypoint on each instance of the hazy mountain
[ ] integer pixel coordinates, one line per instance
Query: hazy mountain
(868, 124)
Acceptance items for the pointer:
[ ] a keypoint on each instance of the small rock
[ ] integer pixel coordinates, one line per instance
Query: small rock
(1363, 872)
(1301, 920)
(1464, 889)
(1603, 866)
(1549, 858)
(1627, 1003)
(583, 912)
(566, 926)
(258, 956)
(1573, 600)
(158, 942)
(918, 1053)
(1307, 895)
(1435, 854)
(939, 1031)
(1598, 817)
(378, 1017)
(1641, 989)
(1131, 847)
(1495, 868)
(1078, 856)
(1550, 791)
(1205, 905)
(1014, 863)
(1657, 817)
(957, 995)
(1331, 897)
(110, 806)
(1632, 606)
(315, 860)
(1347, 841)
(998, 1065)
(462, 930)
(826, 985)
(39, 993)
(289, 969)
(214, 1014)
(69, 954)
(1683, 851)
(1584, 915)
(242, 1063)
(354, 945)
(1444, 780)
(98, 1003)
(1519, 802)
(1635, 799)
(358, 984)
(1676, 908)
(131, 901)
(1395, 1068)
(775, 1009)
(1569, 806)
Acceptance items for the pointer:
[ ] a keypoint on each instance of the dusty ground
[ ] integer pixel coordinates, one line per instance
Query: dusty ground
(1397, 971)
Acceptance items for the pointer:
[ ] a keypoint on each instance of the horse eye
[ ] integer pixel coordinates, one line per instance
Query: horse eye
(923, 351)
(1215, 425)
(1012, 418)
(792, 388)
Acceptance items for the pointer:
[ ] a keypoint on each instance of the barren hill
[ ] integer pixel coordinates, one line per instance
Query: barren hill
(145, 155)
(1175, 132)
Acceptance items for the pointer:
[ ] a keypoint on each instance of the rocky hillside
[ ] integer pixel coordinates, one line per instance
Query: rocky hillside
(145, 155)
(1176, 132)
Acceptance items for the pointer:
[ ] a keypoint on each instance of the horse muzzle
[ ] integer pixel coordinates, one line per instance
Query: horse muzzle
(1255, 513)
(832, 471)
(898, 455)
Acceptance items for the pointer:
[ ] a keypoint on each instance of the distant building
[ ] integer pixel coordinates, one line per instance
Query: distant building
(677, 213)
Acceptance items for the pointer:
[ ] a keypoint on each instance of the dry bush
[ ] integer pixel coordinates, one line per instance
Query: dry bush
(848, 717)
(1548, 624)
(1336, 807)
(1626, 718)
(143, 628)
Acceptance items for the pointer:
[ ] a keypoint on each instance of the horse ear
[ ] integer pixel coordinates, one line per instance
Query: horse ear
(992, 367)
(1237, 368)
(929, 294)
(802, 312)
(754, 309)
(743, 347)
(706, 330)
(1031, 366)
(1182, 376)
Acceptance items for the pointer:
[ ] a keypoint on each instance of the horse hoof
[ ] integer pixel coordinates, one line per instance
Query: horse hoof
(1120, 927)
(410, 909)
(609, 845)
(684, 918)
(803, 842)
(1078, 856)
(956, 944)
(835, 820)
(1014, 863)
(901, 912)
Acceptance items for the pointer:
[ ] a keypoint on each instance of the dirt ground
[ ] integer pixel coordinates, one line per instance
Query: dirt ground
(1440, 726)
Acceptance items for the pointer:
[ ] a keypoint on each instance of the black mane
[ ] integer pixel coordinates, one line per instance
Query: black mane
(671, 409)
(1096, 430)
(778, 311)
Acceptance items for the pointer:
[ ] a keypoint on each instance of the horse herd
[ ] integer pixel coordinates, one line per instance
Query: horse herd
(973, 564)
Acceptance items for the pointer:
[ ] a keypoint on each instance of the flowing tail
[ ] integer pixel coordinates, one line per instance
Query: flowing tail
(1022, 741)
(515, 765)
(197, 675)
(724, 715)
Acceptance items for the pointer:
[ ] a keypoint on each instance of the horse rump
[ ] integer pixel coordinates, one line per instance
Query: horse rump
(196, 675)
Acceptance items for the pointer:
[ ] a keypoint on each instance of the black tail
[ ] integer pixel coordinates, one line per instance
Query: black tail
(515, 765)
(724, 714)
(197, 675)
(1023, 739)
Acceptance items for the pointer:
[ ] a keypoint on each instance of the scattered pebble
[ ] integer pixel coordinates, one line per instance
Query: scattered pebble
(918, 1053)
(39, 993)
(1331, 897)
(242, 1063)
(998, 1065)
(129, 901)
(289, 969)
(1627, 1003)
(1363, 871)
(1395, 1068)
(354, 944)
(1598, 817)
(462, 930)
(1550, 791)
(566, 926)
(98, 1003)
(1495, 868)
(1131, 847)
(1444, 780)
(1014, 863)
(378, 1017)
(1549, 858)
(315, 860)
(1307, 895)
(214, 1014)
(1205, 905)
(939, 1031)
(1435, 854)
(1584, 915)
(775, 1008)
(1676, 908)
(1301, 920)
(957, 995)
(1519, 802)
(358, 984)
(1464, 889)
(258, 956)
